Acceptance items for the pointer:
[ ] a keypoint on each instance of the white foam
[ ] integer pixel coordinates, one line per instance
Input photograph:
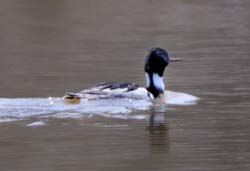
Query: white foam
(124, 116)
(38, 123)
(178, 98)
(7, 120)
(20, 108)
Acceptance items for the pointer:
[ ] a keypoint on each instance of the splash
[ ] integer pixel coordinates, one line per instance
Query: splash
(178, 98)
(13, 109)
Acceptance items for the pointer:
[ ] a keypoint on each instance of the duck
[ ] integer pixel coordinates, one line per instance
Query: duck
(156, 61)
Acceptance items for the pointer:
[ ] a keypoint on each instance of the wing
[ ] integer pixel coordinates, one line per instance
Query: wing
(108, 90)
(116, 86)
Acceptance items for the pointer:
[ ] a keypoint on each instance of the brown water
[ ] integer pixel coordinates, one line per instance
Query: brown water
(51, 47)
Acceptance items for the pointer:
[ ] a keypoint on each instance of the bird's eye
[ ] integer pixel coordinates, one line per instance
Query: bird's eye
(147, 67)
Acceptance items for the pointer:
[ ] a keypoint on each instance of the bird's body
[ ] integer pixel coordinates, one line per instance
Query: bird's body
(112, 90)
(155, 64)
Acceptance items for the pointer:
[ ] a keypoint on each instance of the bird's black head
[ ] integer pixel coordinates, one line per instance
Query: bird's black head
(156, 61)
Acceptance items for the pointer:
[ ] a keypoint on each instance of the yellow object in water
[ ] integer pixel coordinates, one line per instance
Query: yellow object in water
(71, 98)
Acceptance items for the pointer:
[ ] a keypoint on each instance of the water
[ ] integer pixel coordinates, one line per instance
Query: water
(51, 47)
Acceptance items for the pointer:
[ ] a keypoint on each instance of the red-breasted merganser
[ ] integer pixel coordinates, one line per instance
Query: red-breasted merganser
(155, 64)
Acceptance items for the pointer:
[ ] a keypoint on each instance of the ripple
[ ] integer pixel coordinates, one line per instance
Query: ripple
(20, 108)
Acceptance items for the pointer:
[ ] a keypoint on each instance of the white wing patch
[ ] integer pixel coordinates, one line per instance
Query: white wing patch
(114, 90)
(117, 90)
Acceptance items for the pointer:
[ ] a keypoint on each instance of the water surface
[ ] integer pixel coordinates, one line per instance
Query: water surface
(51, 47)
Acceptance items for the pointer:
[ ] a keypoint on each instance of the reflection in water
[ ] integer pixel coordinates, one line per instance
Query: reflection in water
(158, 129)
